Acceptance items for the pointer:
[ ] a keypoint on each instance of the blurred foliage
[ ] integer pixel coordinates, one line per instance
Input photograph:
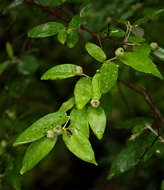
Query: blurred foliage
(24, 98)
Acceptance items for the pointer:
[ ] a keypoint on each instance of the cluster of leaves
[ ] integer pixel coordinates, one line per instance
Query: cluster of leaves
(86, 108)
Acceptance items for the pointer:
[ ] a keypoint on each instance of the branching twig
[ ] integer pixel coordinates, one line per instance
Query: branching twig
(147, 99)
(50, 11)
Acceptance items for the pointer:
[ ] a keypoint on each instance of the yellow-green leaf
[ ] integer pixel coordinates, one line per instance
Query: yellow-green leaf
(96, 52)
(38, 129)
(79, 121)
(61, 72)
(97, 121)
(108, 76)
(36, 152)
(79, 145)
(83, 92)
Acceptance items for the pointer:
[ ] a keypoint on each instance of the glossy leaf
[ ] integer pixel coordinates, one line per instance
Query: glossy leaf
(79, 121)
(36, 152)
(62, 36)
(96, 52)
(38, 129)
(67, 105)
(72, 37)
(97, 121)
(108, 76)
(75, 22)
(79, 145)
(96, 94)
(45, 30)
(83, 92)
(140, 61)
(60, 72)
(128, 157)
(159, 53)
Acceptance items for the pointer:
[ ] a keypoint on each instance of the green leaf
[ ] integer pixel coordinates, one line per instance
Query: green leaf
(96, 94)
(162, 185)
(128, 157)
(45, 30)
(134, 39)
(13, 5)
(79, 145)
(60, 72)
(36, 152)
(97, 121)
(67, 105)
(132, 122)
(116, 32)
(4, 66)
(9, 50)
(12, 175)
(62, 36)
(75, 22)
(79, 121)
(83, 92)
(38, 129)
(107, 104)
(108, 76)
(140, 61)
(148, 17)
(96, 52)
(72, 38)
(49, 3)
(28, 65)
(159, 53)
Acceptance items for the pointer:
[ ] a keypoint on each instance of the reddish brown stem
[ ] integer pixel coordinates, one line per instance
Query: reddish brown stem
(50, 11)
(147, 99)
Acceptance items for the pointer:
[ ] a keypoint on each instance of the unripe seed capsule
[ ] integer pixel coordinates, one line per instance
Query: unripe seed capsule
(153, 46)
(50, 134)
(95, 103)
(119, 52)
(58, 130)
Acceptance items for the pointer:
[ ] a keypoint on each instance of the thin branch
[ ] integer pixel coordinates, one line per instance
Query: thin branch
(50, 11)
(147, 99)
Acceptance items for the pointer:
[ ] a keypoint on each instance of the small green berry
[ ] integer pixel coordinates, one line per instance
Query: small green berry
(119, 52)
(153, 46)
(50, 134)
(78, 70)
(95, 103)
